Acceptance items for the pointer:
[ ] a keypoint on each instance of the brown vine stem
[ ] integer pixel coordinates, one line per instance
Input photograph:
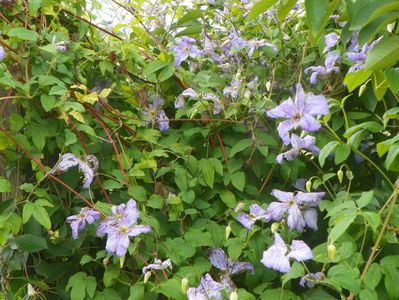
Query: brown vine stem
(392, 200)
(43, 168)
(265, 181)
(111, 140)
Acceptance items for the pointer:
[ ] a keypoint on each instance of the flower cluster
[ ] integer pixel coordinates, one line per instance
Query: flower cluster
(299, 114)
(358, 55)
(119, 227)
(88, 167)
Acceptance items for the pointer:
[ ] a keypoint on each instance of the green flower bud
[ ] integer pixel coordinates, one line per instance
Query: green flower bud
(308, 186)
(340, 175)
(234, 295)
(274, 227)
(227, 232)
(332, 251)
(184, 285)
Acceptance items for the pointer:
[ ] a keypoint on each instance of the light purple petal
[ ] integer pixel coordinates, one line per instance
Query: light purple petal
(274, 257)
(246, 221)
(300, 251)
(295, 219)
(117, 244)
(282, 196)
(239, 267)
(316, 105)
(331, 40)
(331, 59)
(309, 123)
(283, 130)
(309, 199)
(310, 217)
(285, 110)
(276, 210)
(218, 258)
(139, 229)
(259, 213)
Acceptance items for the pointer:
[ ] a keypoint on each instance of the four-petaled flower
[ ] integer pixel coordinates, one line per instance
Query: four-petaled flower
(298, 144)
(186, 48)
(120, 226)
(255, 213)
(78, 222)
(155, 113)
(298, 207)
(328, 67)
(219, 259)
(299, 113)
(277, 256)
(207, 289)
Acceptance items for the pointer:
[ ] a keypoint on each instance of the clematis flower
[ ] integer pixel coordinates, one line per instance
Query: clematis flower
(219, 259)
(328, 67)
(207, 289)
(179, 103)
(299, 113)
(255, 213)
(158, 265)
(78, 222)
(232, 90)
(298, 144)
(310, 279)
(2, 53)
(357, 55)
(256, 44)
(185, 49)
(120, 226)
(155, 114)
(234, 43)
(298, 207)
(278, 256)
(217, 105)
(209, 49)
(88, 167)
(330, 40)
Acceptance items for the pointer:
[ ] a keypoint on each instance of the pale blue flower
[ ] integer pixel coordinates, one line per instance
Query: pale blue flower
(120, 226)
(328, 67)
(357, 55)
(311, 279)
(185, 49)
(299, 113)
(155, 113)
(298, 208)
(158, 265)
(78, 222)
(330, 40)
(278, 255)
(207, 289)
(255, 213)
(2, 53)
(233, 90)
(219, 259)
(187, 93)
(297, 145)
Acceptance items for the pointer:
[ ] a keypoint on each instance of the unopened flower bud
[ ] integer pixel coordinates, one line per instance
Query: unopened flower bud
(308, 186)
(274, 227)
(349, 175)
(184, 285)
(239, 207)
(147, 276)
(227, 231)
(121, 261)
(362, 89)
(31, 290)
(105, 261)
(340, 175)
(234, 295)
(332, 251)
(268, 86)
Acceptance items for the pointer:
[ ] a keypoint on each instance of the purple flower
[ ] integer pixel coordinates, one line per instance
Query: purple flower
(2, 53)
(217, 105)
(277, 256)
(179, 103)
(310, 279)
(78, 222)
(328, 68)
(255, 44)
(234, 43)
(158, 265)
(298, 207)
(219, 260)
(357, 55)
(88, 167)
(255, 213)
(120, 226)
(232, 90)
(186, 48)
(209, 49)
(330, 40)
(298, 144)
(299, 113)
(207, 289)
(155, 114)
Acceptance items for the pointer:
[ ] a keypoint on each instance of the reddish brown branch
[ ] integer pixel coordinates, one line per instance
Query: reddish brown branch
(221, 145)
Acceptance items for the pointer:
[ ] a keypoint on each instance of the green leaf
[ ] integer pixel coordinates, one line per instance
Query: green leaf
(41, 215)
(371, 126)
(5, 185)
(392, 155)
(70, 137)
(23, 34)
(166, 73)
(373, 219)
(30, 243)
(391, 281)
(77, 285)
(284, 8)
(316, 12)
(355, 79)
(137, 292)
(240, 146)
(34, 6)
(207, 171)
(325, 151)
(16, 122)
(392, 77)
(110, 275)
(228, 198)
(27, 211)
(365, 199)
(297, 271)
(190, 16)
(373, 276)
(384, 54)
(238, 180)
(154, 66)
(48, 102)
(341, 224)
(341, 152)
(259, 8)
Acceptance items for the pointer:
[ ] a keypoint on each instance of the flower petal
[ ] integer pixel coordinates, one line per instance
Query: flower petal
(217, 257)
(300, 251)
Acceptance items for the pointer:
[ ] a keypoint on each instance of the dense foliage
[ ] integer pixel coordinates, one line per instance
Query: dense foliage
(221, 150)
